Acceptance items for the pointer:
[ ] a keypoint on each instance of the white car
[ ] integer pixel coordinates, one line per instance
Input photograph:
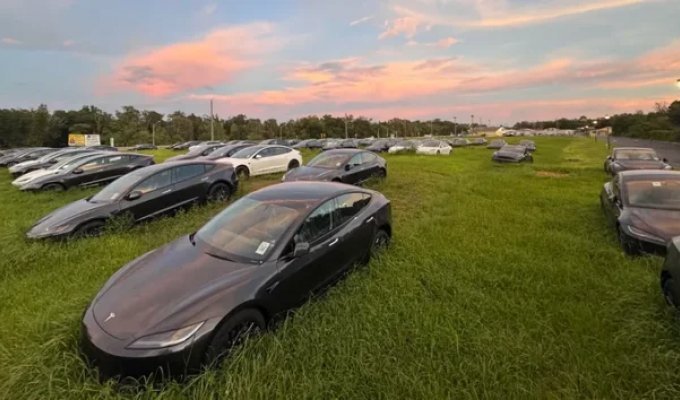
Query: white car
(204, 144)
(53, 169)
(434, 147)
(401, 147)
(260, 160)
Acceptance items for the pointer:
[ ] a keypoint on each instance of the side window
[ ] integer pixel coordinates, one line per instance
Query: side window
(187, 171)
(92, 164)
(356, 160)
(154, 182)
(349, 205)
(281, 150)
(319, 223)
(113, 160)
(268, 152)
(368, 157)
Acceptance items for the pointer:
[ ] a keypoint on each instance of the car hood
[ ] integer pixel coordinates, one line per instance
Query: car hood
(33, 175)
(662, 223)
(182, 157)
(307, 173)
(26, 164)
(64, 215)
(164, 288)
(640, 164)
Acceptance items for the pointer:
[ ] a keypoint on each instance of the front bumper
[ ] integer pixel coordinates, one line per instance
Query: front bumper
(112, 359)
(647, 246)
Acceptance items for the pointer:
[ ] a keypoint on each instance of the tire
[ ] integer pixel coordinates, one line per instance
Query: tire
(53, 187)
(381, 241)
(437, 152)
(668, 295)
(219, 192)
(243, 173)
(293, 164)
(89, 229)
(629, 246)
(382, 173)
(232, 333)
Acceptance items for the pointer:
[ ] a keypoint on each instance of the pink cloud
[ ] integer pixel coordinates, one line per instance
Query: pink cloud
(10, 41)
(179, 67)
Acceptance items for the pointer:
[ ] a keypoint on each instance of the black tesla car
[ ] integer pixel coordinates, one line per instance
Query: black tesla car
(47, 160)
(144, 146)
(142, 194)
(351, 166)
(197, 152)
(379, 146)
(632, 158)
(308, 144)
(25, 155)
(186, 304)
(670, 274)
(95, 170)
(529, 144)
(496, 144)
(512, 154)
(644, 207)
(226, 151)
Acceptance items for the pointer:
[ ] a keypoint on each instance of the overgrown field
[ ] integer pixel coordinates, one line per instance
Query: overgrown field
(502, 282)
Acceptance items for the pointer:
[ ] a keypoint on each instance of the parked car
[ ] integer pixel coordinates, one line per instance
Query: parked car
(144, 146)
(402, 146)
(330, 144)
(203, 293)
(512, 154)
(280, 142)
(479, 141)
(196, 152)
(102, 147)
(206, 143)
(670, 274)
(379, 146)
(52, 169)
(529, 144)
(497, 144)
(644, 207)
(260, 160)
(225, 151)
(186, 145)
(632, 158)
(47, 160)
(93, 170)
(348, 144)
(25, 155)
(459, 142)
(434, 147)
(308, 144)
(142, 194)
(341, 165)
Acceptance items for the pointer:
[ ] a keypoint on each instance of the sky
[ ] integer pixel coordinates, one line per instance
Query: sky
(499, 60)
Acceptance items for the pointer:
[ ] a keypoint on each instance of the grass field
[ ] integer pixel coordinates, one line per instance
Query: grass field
(502, 282)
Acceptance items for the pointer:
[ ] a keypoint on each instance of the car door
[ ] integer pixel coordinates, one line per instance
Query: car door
(190, 184)
(299, 277)
(354, 170)
(262, 162)
(370, 164)
(87, 173)
(281, 158)
(156, 196)
(612, 204)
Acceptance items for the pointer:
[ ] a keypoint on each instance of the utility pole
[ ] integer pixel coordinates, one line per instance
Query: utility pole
(472, 122)
(281, 131)
(153, 132)
(345, 126)
(378, 129)
(455, 127)
(212, 121)
(431, 130)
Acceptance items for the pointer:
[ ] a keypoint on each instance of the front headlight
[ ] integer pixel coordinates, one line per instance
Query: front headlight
(166, 339)
(668, 167)
(643, 234)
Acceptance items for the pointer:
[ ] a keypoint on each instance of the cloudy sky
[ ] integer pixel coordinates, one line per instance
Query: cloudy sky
(503, 60)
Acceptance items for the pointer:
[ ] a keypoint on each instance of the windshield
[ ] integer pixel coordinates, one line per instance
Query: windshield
(219, 152)
(67, 163)
(115, 189)
(514, 149)
(430, 143)
(640, 155)
(248, 228)
(661, 193)
(326, 160)
(247, 152)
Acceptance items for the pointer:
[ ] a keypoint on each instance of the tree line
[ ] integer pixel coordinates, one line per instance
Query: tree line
(129, 126)
(663, 123)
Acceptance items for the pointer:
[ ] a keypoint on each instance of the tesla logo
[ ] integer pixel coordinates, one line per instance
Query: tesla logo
(110, 317)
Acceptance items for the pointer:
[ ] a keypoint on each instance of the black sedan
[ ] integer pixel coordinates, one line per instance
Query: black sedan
(379, 146)
(308, 144)
(644, 207)
(144, 146)
(529, 144)
(95, 170)
(47, 160)
(25, 155)
(141, 194)
(197, 152)
(670, 274)
(632, 158)
(512, 154)
(342, 165)
(497, 144)
(188, 303)
(226, 151)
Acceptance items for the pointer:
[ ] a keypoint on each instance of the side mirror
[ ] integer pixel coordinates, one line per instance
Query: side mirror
(134, 195)
(257, 156)
(610, 158)
(301, 249)
(665, 160)
(78, 171)
(348, 167)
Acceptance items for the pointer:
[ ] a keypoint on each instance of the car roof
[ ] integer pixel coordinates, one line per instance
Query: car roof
(315, 192)
(343, 151)
(633, 148)
(163, 166)
(648, 173)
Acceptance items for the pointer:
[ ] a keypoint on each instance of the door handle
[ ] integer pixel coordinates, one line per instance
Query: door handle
(368, 221)
(167, 191)
(333, 242)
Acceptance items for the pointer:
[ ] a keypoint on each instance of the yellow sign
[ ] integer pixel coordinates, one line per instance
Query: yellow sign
(76, 139)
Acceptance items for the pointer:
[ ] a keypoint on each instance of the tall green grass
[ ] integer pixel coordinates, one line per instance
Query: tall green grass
(503, 281)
